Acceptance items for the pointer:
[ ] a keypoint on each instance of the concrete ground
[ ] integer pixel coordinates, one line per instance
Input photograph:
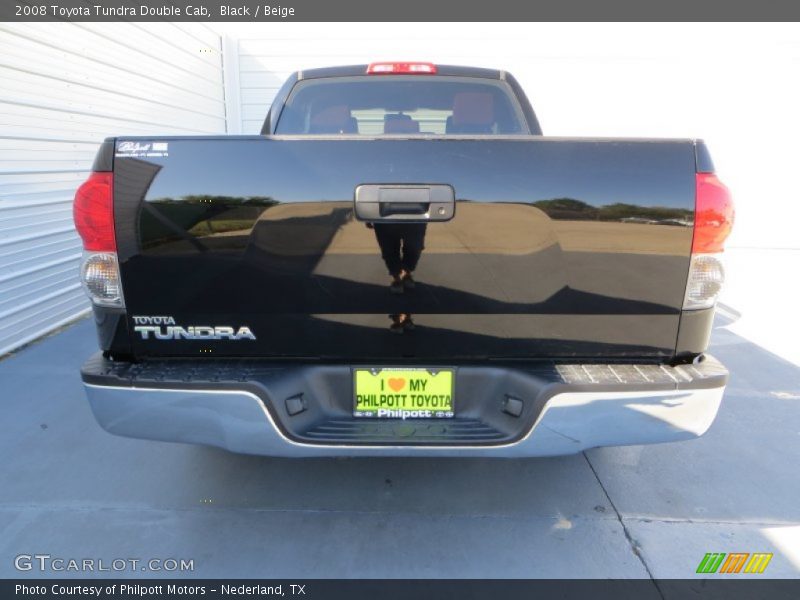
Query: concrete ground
(70, 490)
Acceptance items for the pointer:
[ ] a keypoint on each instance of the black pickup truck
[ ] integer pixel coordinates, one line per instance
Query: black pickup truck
(401, 264)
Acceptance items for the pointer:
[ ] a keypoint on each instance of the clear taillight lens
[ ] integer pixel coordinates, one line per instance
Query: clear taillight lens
(100, 278)
(706, 276)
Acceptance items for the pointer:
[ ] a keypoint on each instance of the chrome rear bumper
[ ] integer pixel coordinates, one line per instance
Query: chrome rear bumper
(565, 416)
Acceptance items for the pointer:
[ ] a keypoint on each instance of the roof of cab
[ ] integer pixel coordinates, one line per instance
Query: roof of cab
(355, 70)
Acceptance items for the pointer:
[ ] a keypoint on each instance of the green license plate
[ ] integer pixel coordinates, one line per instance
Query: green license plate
(403, 393)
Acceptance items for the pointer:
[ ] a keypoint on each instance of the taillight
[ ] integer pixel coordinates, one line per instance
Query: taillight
(713, 221)
(93, 212)
(713, 214)
(396, 68)
(100, 278)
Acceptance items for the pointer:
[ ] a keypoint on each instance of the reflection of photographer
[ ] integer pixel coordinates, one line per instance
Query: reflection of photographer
(401, 322)
(401, 246)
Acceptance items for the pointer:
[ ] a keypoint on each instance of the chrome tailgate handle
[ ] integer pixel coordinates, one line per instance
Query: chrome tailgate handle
(404, 202)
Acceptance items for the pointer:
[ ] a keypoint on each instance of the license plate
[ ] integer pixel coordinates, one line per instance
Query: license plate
(404, 393)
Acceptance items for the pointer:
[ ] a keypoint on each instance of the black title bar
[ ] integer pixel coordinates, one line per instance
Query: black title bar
(401, 10)
(399, 589)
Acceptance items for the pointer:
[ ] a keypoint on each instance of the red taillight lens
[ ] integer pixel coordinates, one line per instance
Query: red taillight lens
(93, 213)
(713, 214)
(394, 68)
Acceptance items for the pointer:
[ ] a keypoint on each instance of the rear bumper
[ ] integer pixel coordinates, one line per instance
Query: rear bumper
(567, 408)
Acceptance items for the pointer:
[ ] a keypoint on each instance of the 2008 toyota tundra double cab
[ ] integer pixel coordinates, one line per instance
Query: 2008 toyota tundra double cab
(401, 264)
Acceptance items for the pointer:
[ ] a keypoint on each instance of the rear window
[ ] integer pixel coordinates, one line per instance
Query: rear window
(401, 105)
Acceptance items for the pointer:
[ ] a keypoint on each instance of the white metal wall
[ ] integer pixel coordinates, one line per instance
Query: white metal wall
(735, 85)
(63, 88)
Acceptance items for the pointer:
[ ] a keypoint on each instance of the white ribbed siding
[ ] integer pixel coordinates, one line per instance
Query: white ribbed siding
(63, 88)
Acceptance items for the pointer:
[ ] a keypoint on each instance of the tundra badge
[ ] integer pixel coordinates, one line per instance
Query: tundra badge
(164, 328)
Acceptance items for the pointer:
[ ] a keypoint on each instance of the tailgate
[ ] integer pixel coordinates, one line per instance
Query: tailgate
(251, 246)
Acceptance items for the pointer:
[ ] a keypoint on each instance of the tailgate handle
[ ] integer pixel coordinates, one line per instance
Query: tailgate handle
(390, 209)
(404, 202)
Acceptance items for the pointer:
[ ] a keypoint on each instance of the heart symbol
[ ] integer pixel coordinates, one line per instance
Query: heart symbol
(397, 383)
